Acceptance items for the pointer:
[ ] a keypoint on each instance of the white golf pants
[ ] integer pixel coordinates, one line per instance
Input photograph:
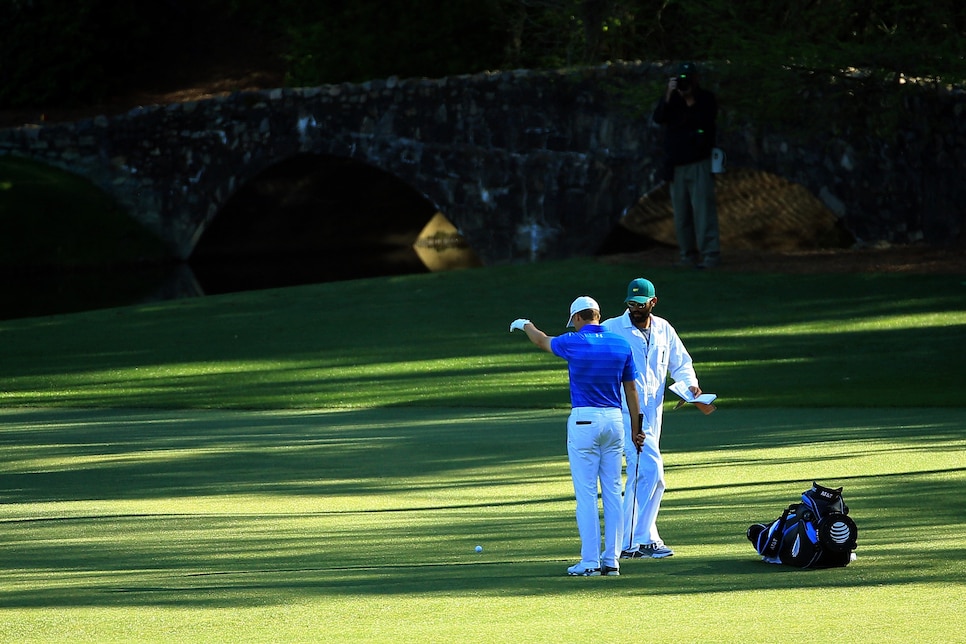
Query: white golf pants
(595, 445)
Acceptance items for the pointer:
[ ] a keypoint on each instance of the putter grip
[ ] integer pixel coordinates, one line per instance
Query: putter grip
(640, 428)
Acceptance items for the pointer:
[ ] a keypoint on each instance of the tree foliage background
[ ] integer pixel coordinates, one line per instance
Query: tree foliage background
(768, 56)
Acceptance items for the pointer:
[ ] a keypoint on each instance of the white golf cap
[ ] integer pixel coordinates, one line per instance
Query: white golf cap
(580, 304)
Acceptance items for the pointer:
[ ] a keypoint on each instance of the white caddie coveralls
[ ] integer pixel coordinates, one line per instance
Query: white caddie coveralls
(655, 358)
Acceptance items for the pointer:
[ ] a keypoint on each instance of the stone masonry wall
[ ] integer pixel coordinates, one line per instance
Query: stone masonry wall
(528, 165)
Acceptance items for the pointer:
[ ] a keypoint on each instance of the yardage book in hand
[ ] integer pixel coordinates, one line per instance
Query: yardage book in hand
(702, 402)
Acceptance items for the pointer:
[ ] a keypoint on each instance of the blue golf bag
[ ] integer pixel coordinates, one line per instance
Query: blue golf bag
(816, 533)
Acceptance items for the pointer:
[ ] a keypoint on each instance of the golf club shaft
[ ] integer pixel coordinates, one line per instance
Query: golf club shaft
(637, 467)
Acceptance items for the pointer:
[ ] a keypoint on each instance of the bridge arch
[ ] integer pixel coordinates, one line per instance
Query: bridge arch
(322, 216)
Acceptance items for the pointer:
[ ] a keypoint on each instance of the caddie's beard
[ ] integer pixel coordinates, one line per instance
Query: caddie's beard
(638, 317)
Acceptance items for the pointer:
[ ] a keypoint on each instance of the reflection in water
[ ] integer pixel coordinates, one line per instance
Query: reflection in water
(441, 247)
(58, 292)
(310, 219)
(53, 293)
(34, 294)
(233, 275)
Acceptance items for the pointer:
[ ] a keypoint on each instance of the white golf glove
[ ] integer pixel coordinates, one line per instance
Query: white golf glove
(518, 324)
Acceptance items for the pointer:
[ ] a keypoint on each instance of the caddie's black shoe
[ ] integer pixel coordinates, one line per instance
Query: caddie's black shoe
(656, 550)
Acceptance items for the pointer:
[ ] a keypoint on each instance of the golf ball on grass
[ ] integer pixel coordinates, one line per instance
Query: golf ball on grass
(479, 548)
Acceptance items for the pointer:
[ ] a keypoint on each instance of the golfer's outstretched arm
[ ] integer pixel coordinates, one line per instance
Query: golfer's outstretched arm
(536, 336)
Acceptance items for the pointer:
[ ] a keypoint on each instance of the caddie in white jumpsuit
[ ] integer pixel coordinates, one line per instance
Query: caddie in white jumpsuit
(658, 351)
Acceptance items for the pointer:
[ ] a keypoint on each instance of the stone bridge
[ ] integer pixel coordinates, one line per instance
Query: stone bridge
(527, 165)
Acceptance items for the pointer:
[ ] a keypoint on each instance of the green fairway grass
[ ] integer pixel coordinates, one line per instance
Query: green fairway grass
(317, 464)
(361, 526)
(442, 340)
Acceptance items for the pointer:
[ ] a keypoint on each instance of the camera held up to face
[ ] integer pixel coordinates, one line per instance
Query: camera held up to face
(684, 83)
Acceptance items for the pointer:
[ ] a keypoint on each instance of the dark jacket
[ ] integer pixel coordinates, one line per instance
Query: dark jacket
(691, 131)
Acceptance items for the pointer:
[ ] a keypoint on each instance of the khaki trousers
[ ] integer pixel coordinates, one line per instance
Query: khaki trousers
(695, 212)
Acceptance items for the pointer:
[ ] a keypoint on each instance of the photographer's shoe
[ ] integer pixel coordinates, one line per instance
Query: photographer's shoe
(709, 262)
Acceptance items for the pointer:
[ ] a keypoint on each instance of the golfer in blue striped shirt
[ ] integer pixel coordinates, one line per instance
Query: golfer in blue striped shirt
(600, 363)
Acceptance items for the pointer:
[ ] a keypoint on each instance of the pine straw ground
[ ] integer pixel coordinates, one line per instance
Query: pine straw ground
(770, 224)
(891, 259)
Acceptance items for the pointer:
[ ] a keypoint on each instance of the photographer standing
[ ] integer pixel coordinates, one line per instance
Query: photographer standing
(688, 112)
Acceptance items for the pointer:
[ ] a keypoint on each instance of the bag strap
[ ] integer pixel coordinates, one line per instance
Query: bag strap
(775, 535)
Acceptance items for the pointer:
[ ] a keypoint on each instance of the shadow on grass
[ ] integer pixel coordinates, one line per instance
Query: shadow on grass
(774, 369)
(776, 340)
(266, 585)
(390, 502)
(52, 455)
(114, 455)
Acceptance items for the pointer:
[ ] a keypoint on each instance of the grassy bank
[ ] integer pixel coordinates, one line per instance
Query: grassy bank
(442, 340)
(318, 463)
(53, 220)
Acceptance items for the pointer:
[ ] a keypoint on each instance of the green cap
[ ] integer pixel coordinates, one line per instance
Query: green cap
(640, 290)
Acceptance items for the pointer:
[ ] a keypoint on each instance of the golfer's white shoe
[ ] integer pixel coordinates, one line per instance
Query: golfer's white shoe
(578, 570)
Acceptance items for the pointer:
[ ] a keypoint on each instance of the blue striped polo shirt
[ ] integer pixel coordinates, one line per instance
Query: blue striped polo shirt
(599, 361)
